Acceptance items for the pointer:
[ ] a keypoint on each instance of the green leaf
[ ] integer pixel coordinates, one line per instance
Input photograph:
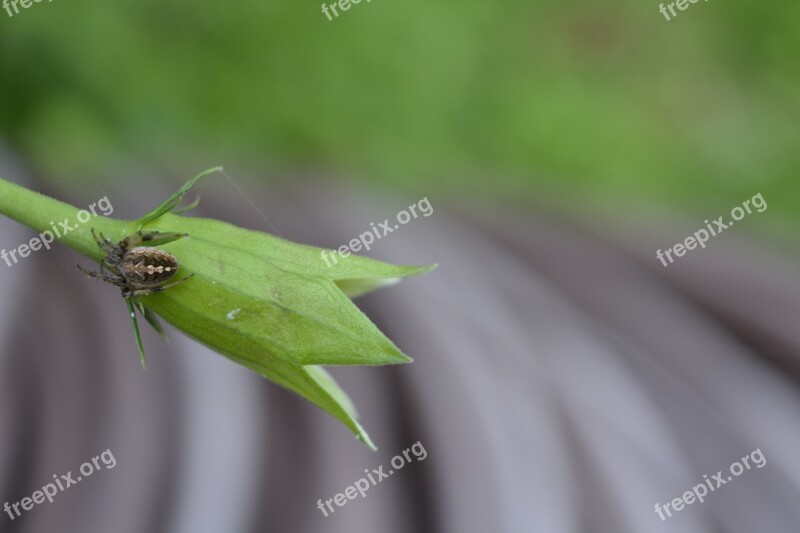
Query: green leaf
(174, 201)
(326, 381)
(151, 318)
(271, 305)
(136, 334)
(198, 307)
(279, 293)
(189, 207)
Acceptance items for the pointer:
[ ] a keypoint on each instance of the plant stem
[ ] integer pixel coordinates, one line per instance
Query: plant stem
(44, 214)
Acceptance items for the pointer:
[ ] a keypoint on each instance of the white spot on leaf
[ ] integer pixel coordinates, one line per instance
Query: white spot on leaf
(233, 313)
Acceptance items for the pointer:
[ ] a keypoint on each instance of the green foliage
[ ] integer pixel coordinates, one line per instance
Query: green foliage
(608, 98)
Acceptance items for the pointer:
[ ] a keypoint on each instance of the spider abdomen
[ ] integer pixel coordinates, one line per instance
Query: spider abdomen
(148, 267)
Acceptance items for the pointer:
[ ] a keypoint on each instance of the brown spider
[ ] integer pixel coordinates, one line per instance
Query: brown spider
(135, 266)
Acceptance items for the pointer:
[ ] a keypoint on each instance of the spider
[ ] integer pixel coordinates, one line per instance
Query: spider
(138, 269)
(135, 266)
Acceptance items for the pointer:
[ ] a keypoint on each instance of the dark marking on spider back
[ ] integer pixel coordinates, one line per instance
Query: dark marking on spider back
(147, 267)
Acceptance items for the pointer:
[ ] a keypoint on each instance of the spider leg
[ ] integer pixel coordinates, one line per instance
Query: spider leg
(113, 279)
(104, 244)
(97, 239)
(112, 266)
(144, 292)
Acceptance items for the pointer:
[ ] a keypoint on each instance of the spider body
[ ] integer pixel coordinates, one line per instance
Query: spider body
(135, 266)
(148, 267)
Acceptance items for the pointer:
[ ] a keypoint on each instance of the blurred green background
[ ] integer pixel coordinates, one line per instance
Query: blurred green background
(567, 99)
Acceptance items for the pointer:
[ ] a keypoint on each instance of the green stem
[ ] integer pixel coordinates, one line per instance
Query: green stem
(42, 213)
